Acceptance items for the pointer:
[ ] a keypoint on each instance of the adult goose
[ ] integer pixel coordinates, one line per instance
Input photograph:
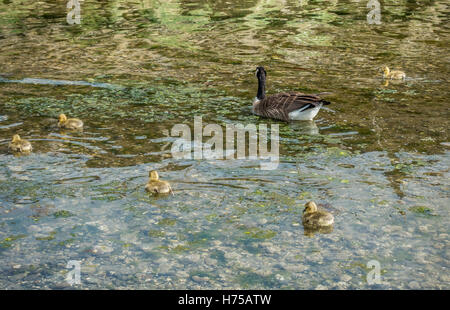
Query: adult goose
(285, 106)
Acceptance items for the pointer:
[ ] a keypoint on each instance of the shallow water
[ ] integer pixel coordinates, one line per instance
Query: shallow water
(377, 158)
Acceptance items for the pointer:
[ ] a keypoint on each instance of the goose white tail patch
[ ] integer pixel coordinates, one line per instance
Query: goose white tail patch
(304, 115)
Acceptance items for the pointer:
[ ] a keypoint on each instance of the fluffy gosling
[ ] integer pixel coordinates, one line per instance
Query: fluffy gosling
(156, 186)
(313, 218)
(393, 75)
(69, 123)
(19, 145)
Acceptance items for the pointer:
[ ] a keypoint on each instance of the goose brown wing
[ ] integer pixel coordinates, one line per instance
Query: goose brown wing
(279, 106)
(274, 106)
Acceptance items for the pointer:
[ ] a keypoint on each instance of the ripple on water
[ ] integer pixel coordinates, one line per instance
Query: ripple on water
(376, 158)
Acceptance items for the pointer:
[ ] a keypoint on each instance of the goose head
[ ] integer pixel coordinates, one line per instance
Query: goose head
(386, 70)
(16, 138)
(260, 73)
(154, 175)
(62, 118)
(310, 207)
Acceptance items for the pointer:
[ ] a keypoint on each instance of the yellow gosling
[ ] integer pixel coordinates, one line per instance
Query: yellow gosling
(393, 75)
(20, 145)
(69, 123)
(313, 218)
(156, 186)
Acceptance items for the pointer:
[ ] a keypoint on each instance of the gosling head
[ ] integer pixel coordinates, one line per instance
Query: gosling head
(154, 175)
(62, 118)
(260, 73)
(16, 138)
(310, 207)
(386, 70)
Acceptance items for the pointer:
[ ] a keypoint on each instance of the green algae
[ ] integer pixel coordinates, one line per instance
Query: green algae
(156, 233)
(258, 233)
(167, 222)
(8, 241)
(62, 214)
(50, 237)
(422, 210)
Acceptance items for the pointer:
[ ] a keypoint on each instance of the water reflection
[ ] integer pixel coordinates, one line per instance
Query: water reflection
(311, 232)
(305, 127)
(134, 69)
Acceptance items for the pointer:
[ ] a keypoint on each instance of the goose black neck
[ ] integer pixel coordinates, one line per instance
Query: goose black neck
(261, 87)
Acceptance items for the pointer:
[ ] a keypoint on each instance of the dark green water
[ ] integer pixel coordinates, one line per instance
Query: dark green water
(378, 158)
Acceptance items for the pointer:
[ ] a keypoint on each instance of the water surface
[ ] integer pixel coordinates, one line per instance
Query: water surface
(377, 159)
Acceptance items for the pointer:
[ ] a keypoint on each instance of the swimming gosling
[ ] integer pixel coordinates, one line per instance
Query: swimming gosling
(156, 186)
(393, 75)
(20, 145)
(69, 123)
(313, 218)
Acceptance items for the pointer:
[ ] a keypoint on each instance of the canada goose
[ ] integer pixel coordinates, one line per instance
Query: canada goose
(19, 145)
(285, 106)
(393, 75)
(155, 185)
(313, 218)
(71, 123)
